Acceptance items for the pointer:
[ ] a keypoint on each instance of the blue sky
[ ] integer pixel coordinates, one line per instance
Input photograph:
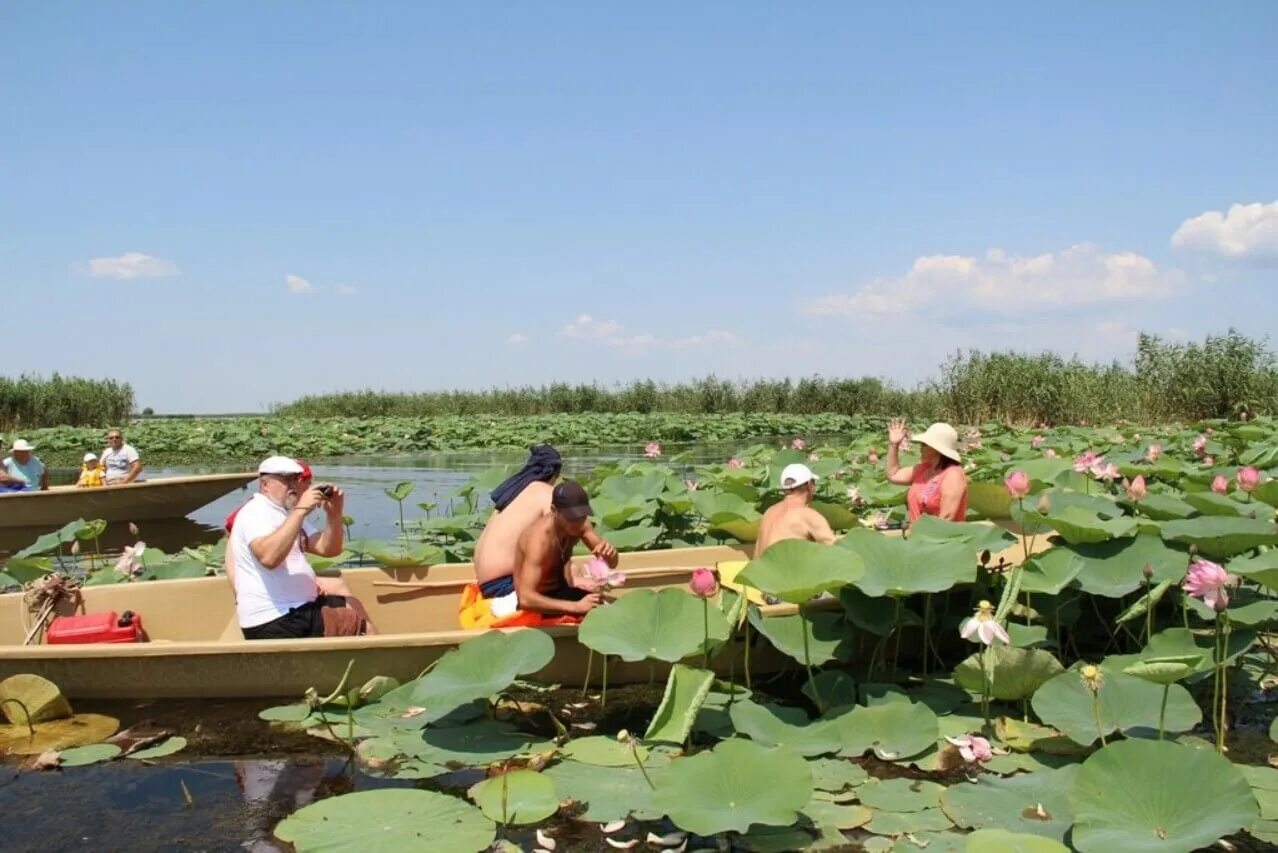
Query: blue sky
(232, 204)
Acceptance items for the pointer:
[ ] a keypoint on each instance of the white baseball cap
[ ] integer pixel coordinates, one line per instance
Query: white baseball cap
(22, 444)
(90, 457)
(798, 474)
(280, 465)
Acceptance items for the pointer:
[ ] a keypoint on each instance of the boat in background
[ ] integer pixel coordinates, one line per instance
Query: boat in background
(146, 500)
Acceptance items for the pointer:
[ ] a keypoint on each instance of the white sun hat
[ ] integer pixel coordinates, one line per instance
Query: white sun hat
(90, 457)
(280, 465)
(22, 444)
(798, 474)
(942, 438)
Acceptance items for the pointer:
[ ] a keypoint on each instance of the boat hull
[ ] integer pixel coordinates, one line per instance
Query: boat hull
(170, 497)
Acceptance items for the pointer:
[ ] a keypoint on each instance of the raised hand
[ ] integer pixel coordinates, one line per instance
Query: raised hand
(897, 432)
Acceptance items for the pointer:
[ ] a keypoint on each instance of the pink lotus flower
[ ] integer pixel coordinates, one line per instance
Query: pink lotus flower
(130, 562)
(1210, 582)
(1248, 478)
(1209, 461)
(1005, 456)
(1219, 484)
(1136, 489)
(973, 748)
(735, 464)
(873, 458)
(1106, 471)
(984, 625)
(1037, 441)
(1018, 484)
(692, 485)
(854, 495)
(1154, 453)
(1200, 445)
(598, 576)
(798, 444)
(880, 520)
(704, 583)
(813, 457)
(1049, 453)
(1084, 461)
(652, 450)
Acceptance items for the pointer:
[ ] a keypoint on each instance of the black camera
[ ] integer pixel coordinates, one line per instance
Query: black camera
(326, 491)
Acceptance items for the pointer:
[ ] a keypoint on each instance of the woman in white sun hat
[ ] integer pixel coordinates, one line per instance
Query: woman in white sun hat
(937, 483)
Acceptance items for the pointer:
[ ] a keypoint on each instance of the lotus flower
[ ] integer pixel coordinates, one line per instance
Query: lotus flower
(813, 457)
(1018, 484)
(1037, 441)
(854, 496)
(984, 625)
(598, 576)
(1248, 478)
(1136, 489)
(692, 485)
(130, 562)
(873, 458)
(1209, 460)
(973, 748)
(1049, 453)
(1106, 471)
(1200, 445)
(1219, 484)
(1084, 461)
(1154, 452)
(1092, 678)
(704, 583)
(798, 444)
(1210, 582)
(735, 464)
(652, 450)
(881, 520)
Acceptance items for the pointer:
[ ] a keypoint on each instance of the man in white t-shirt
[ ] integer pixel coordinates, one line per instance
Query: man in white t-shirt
(120, 460)
(277, 595)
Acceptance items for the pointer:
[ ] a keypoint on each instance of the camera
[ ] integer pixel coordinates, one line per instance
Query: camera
(326, 491)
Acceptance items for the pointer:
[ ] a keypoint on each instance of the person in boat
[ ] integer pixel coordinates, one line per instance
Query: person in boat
(120, 461)
(92, 473)
(277, 595)
(22, 470)
(938, 485)
(520, 500)
(793, 516)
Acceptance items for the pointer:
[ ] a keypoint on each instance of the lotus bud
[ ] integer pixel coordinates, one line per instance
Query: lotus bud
(1136, 489)
(1248, 479)
(1018, 484)
(1148, 571)
(704, 583)
(985, 557)
(312, 697)
(1044, 506)
(1092, 678)
(75, 548)
(133, 529)
(623, 736)
(1219, 484)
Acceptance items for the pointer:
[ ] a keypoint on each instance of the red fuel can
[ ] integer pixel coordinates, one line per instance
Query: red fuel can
(108, 627)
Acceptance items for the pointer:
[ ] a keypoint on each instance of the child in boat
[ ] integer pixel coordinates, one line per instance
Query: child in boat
(92, 473)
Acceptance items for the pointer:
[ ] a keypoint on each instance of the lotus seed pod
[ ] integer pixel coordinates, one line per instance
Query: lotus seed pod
(1148, 571)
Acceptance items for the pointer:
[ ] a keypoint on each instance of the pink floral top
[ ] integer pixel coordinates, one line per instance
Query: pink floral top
(924, 496)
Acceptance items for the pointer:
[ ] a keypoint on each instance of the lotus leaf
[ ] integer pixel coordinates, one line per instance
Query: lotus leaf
(1267, 492)
(1161, 507)
(610, 793)
(729, 514)
(475, 745)
(476, 669)
(977, 537)
(63, 733)
(1126, 703)
(631, 538)
(53, 541)
(1221, 538)
(1247, 608)
(797, 571)
(1002, 841)
(735, 785)
(1114, 569)
(1173, 798)
(518, 797)
(1027, 636)
(894, 731)
(1260, 778)
(989, 500)
(773, 725)
(170, 746)
(902, 566)
(837, 774)
(1031, 737)
(836, 815)
(771, 839)
(932, 842)
(400, 491)
(902, 823)
(173, 569)
(22, 570)
(1177, 642)
(602, 751)
(1210, 503)
(38, 696)
(839, 517)
(388, 819)
(1034, 803)
(1141, 605)
(105, 577)
(1017, 672)
(835, 686)
(1166, 670)
(686, 692)
(286, 714)
(828, 637)
(665, 624)
(1077, 525)
(1049, 572)
(1263, 568)
(876, 615)
(900, 795)
(81, 756)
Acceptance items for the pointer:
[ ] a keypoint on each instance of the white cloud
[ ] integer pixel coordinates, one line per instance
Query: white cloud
(613, 334)
(1245, 231)
(297, 284)
(518, 339)
(129, 265)
(346, 290)
(1004, 283)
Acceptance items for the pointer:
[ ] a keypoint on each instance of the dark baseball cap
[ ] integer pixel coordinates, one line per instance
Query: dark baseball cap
(570, 500)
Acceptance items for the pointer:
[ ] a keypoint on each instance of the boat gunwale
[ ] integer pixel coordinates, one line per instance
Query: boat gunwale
(243, 477)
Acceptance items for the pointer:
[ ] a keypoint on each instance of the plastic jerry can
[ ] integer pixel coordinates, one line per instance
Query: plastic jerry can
(108, 627)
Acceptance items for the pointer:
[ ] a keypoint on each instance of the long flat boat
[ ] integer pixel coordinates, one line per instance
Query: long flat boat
(166, 497)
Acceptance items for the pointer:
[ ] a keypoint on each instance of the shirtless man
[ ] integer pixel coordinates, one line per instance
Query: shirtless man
(542, 576)
(793, 518)
(519, 501)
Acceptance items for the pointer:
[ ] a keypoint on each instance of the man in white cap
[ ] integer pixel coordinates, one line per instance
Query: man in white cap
(22, 471)
(277, 595)
(793, 517)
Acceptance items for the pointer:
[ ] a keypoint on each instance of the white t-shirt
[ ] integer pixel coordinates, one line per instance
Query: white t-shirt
(118, 463)
(263, 594)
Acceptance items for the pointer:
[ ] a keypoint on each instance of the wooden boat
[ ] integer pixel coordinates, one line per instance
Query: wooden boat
(167, 497)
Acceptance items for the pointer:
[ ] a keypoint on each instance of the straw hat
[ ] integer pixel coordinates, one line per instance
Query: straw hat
(22, 444)
(942, 438)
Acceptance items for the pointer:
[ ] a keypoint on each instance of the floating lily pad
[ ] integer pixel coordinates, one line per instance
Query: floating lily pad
(1221, 538)
(388, 819)
(1139, 795)
(56, 735)
(837, 815)
(902, 566)
(667, 624)
(901, 823)
(518, 797)
(901, 795)
(81, 756)
(1126, 703)
(41, 698)
(476, 745)
(1035, 803)
(774, 725)
(1002, 841)
(735, 785)
(602, 751)
(609, 793)
(828, 635)
(286, 713)
(1017, 672)
(170, 746)
(797, 571)
(834, 774)
(893, 731)
(686, 692)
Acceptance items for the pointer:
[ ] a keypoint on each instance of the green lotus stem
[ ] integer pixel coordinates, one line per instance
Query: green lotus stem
(705, 644)
(505, 790)
(1162, 712)
(985, 687)
(749, 686)
(1215, 690)
(1100, 730)
(603, 694)
(1029, 609)
(590, 661)
(1224, 684)
(807, 663)
(927, 625)
(1149, 611)
(25, 713)
(341, 687)
(1184, 608)
(350, 722)
(634, 750)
